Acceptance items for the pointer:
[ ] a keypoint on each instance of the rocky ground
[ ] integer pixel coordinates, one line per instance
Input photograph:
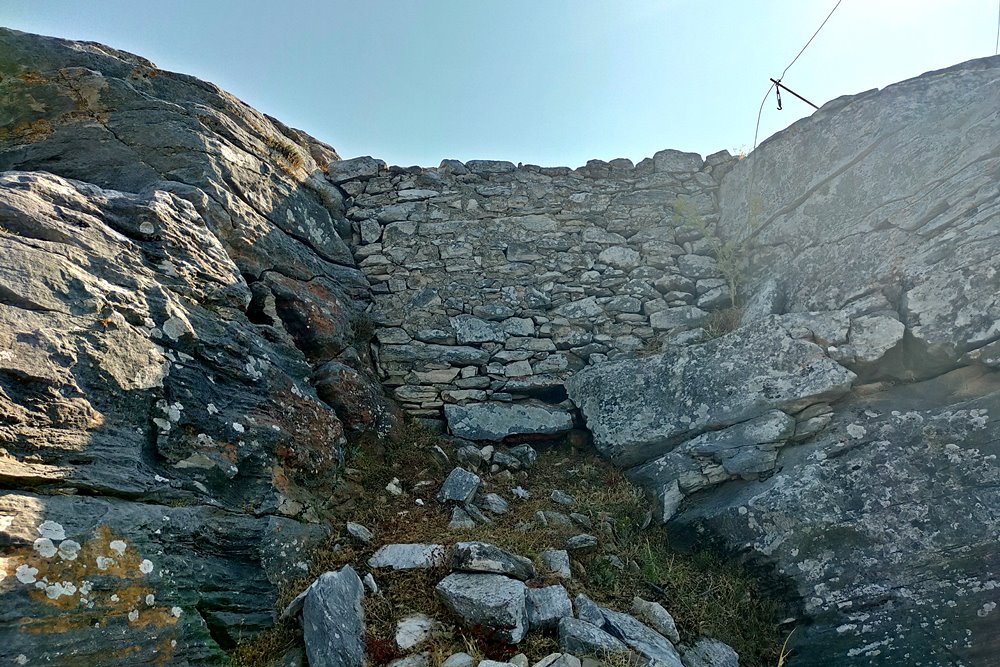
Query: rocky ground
(462, 554)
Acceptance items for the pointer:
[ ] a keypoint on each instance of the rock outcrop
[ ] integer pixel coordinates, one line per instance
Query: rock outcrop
(171, 275)
(870, 231)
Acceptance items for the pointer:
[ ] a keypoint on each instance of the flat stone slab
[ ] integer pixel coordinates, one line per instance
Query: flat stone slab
(637, 409)
(408, 557)
(496, 421)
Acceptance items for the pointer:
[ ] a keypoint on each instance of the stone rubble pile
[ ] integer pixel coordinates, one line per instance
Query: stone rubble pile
(492, 591)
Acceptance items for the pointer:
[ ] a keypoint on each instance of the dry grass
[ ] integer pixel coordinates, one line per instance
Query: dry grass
(287, 154)
(721, 322)
(706, 596)
(265, 647)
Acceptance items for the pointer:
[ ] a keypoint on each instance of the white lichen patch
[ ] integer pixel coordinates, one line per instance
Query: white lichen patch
(44, 547)
(52, 530)
(146, 566)
(133, 615)
(856, 431)
(238, 427)
(25, 573)
(985, 610)
(103, 562)
(22, 659)
(56, 590)
(69, 549)
(212, 410)
(118, 546)
(150, 599)
(176, 611)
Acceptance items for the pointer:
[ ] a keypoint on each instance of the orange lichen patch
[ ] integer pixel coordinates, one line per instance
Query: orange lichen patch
(32, 78)
(103, 577)
(229, 452)
(27, 132)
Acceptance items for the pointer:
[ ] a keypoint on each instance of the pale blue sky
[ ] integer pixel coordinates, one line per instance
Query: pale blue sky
(551, 82)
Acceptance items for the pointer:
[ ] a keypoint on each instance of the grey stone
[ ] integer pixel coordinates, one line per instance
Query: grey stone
(483, 557)
(469, 329)
(489, 166)
(580, 309)
(587, 610)
(526, 454)
(673, 161)
(558, 660)
(460, 486)
(491, 601)
(493, 502)
(556, 562)
(710, 653)
(460, 520)
(359, 533)
(656, 617)
(695, 389)
(341, 171)
(620, 257)
(547, 605)
(581, 638)
(491, 421)
(562, 498)
(460, 660)
(681, 316)
(408, 557)
(643, 640)
(333, 621)
(743, 450)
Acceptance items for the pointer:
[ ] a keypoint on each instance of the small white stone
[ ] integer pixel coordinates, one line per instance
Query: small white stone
(238, 427)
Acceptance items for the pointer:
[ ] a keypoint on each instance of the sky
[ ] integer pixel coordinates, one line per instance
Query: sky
(548, 82)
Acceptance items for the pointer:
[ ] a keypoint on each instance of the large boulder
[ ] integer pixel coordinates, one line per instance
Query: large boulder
(638, 409)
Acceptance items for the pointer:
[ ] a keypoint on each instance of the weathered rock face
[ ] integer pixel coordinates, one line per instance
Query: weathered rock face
(871, 228)
(169, 279)
(640, 408)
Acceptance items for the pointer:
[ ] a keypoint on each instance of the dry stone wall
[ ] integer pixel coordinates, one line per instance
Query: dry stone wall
(494, 282)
